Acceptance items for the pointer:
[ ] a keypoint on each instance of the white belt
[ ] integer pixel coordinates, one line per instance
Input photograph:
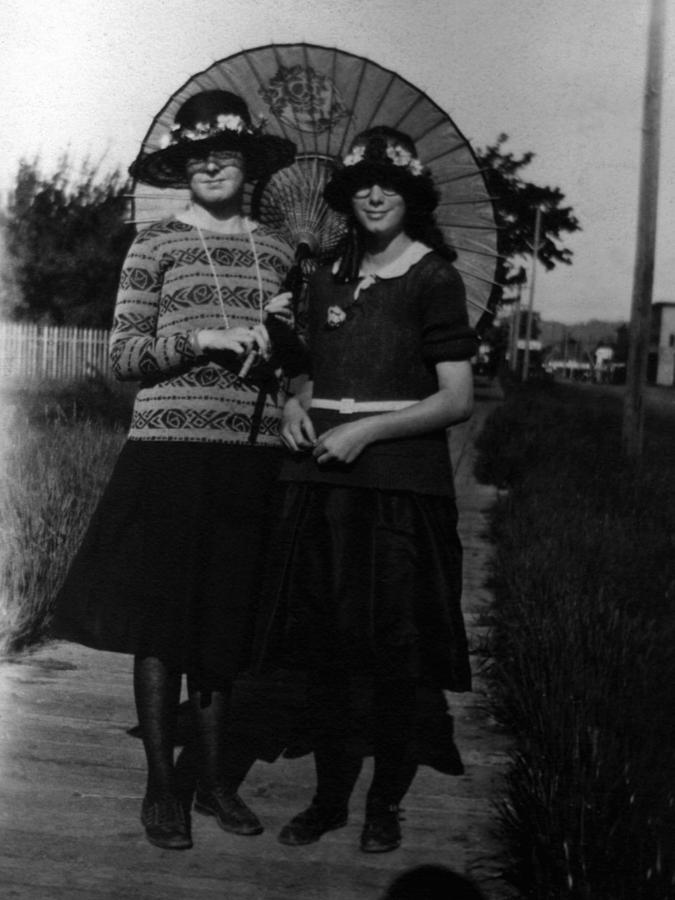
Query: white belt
(348, 405)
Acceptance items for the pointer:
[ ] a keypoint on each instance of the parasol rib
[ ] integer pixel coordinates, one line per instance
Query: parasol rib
(312, 106)
(378, 103)
(422, 135)
(475, 202)
(468, 274)
(464, 225)
(473, 250)
(478, 304)
(416, 102)
(474, 174)
(333, 81)
(359, 84)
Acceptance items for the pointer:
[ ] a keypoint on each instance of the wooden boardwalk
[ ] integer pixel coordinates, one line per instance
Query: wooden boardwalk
(72, 779)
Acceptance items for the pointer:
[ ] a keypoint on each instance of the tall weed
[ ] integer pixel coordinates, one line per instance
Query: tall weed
(583, 673)
(52, 476)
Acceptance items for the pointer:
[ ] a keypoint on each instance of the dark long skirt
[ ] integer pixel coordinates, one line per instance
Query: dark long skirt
(169, 564)
(367, 582)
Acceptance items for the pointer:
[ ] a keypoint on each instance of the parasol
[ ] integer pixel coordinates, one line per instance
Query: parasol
(321, 98)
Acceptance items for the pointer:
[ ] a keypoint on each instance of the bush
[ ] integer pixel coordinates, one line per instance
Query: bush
(92, 400)
(582, 671)
(67, 235)
(58, 450)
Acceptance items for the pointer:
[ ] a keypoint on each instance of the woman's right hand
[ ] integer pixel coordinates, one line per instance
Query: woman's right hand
(238, 340)
(297, 431)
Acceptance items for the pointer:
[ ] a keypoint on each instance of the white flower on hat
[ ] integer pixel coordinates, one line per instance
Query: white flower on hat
(202, 130)
(399, 155)
(230, 122)
(355, 155)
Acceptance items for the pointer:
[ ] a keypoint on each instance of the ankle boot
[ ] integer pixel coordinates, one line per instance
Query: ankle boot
(381, 831)
(309, 825)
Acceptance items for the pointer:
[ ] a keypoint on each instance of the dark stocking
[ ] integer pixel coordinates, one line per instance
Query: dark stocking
(336, 769)
(157, 692)
(210, 710)
(394, 716)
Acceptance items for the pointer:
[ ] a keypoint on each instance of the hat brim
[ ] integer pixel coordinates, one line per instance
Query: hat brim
(264, 154)
(346, 180)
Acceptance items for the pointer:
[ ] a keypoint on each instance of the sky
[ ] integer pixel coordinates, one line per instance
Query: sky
(563, 78)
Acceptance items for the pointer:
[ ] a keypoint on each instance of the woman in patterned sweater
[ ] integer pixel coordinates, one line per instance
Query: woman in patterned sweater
(167, 568)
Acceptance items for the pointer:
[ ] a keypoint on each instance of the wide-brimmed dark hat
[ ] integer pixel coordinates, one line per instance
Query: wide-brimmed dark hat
(213, 120)
(386, 157)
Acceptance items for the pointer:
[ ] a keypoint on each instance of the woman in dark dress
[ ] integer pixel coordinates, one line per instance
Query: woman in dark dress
(168, 566)
(365, 577)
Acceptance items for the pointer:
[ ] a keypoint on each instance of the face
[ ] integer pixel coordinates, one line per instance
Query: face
(379, 210)
(216, 178)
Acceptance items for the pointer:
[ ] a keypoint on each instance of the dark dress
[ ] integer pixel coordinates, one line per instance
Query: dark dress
(170, 561)
(168, 564)
(365, 561)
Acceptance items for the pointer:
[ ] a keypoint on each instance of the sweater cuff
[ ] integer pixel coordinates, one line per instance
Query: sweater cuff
(195, 346)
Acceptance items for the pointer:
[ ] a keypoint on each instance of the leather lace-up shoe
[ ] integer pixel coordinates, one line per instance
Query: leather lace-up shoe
(165, 823)
(382, 831)
(231, 813)
(308, 826)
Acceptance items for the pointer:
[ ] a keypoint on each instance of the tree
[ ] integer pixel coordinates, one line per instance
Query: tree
(66, 238)
(516, 202)
(66, 235)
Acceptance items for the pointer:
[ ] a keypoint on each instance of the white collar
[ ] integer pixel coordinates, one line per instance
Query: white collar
(411, 255)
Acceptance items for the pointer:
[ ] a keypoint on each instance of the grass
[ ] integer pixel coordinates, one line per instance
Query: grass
(583, 674)
(582, 631)
(57, 452)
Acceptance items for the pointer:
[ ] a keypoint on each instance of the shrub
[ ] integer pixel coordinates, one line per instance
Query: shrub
(53, 476)
(582, 671)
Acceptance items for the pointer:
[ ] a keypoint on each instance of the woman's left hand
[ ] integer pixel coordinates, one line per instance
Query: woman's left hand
(280, 306)
(343, 443)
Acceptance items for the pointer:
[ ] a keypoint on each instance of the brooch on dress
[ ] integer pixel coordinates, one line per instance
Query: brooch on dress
(335, 317)
(338, 315)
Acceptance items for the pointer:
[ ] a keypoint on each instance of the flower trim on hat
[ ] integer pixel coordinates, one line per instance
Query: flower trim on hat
(398, 155)
(202, 130)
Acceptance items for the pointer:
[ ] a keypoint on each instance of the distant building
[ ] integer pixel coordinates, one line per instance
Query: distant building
(661, 359)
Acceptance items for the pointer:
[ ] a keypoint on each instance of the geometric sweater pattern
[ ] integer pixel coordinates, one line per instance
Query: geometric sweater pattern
(167, 291)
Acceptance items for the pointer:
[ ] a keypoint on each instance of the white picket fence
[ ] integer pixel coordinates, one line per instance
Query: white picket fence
(37, 351)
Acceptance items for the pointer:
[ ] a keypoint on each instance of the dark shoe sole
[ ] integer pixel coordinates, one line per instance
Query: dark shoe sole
(285, 835)
(205, 810)
(175, 844)
(379, 848)
(178, 837)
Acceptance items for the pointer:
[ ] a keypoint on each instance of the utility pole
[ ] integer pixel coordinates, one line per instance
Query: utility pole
(515, 332)
(530, 304)
(643, 277)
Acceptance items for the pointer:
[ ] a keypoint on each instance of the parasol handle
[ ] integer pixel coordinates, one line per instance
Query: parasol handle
(307, 248)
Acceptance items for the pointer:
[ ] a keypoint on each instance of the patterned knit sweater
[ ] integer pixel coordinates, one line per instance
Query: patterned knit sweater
(168, 291)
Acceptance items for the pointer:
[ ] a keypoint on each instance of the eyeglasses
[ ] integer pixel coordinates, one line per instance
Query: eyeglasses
(364, 192)
(220, 158)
